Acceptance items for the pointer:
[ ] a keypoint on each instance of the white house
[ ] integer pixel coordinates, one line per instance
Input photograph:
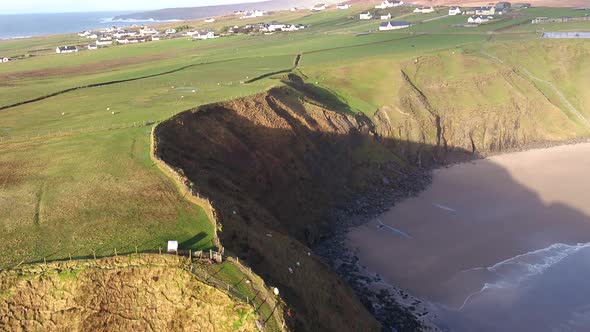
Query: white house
(122, 41)
(366, 16)
(275, 26)
(209, 20)
(424, 10)
(204, 34)
(454, 11)
(294, 9)
(84, 33)
(386, 17)
(393, 25)
(92, 36)
(478, 19)
(155, 38)
(318, 7)
(104, 42)
(389, 4)
(92, 47)
(148, 31)
(252, 14)
(4, 60)
(170, 31)
(343, 6)
(66, 49)
(490, 10)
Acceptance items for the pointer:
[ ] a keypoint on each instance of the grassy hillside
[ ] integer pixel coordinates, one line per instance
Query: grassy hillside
(76, 178)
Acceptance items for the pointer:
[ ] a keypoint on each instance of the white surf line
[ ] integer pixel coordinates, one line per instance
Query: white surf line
(442, 207)
(561, 96)
(470, 296)
(395, 230)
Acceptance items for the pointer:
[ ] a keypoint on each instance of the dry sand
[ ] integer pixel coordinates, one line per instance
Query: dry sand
(476, 215)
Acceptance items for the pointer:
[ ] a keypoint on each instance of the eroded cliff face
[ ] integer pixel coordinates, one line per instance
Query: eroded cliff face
(274, 165)
(151, 293)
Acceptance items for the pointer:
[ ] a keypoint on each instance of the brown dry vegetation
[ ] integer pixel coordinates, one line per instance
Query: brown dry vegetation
(85, 69)
(151, 293)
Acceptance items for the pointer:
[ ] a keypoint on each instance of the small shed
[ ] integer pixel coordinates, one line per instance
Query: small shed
(172, 247)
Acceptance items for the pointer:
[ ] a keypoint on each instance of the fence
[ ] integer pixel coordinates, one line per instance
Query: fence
(186, 187)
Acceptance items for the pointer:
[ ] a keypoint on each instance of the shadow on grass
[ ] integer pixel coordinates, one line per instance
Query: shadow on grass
(190, 243)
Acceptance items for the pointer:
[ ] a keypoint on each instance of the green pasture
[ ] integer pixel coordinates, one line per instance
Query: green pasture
(76, 178)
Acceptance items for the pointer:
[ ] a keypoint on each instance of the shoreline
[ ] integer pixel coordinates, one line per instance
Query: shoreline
(384, 299)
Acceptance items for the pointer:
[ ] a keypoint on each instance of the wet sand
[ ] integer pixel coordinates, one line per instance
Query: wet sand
(442, 244)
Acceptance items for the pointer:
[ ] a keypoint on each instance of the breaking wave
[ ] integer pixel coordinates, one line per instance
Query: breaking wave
(513, 271)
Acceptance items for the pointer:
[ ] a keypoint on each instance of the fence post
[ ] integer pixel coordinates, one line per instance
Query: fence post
(115, 252)
(136, 250)
(44, 261)
(70, 256)
(94, 254)
(160, 250)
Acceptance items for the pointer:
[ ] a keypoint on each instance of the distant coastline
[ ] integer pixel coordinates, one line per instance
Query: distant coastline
(22, 26)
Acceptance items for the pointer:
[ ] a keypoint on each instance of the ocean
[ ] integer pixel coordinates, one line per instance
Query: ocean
(496, 245)
(31, 25)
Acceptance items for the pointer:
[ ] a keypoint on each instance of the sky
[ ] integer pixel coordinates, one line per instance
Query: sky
(62, 6)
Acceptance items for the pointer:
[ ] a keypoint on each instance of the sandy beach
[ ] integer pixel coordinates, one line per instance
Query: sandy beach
(483, 225)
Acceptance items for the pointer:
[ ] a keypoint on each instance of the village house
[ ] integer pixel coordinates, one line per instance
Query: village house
(170, 31)
(343, 6)
(122, 41)
(102, 42)
(489, 10)
(155, 38)
(539, 20)
(393, 25)
(92, 47)
(253, 14)
(389, 4)
(366, 16)
(84, 33)
(500, 11)
(276, 26)
(204, 34)
(209, 20)
(66, 49)
(424, 10)
(92, 36)
(318, 7)
(386, 17)
(478, 19)
(454, 11)
(148, 31)
(294, 9)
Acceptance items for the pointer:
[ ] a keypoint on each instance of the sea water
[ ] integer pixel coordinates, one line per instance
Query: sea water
(30, 25)
(543, 290)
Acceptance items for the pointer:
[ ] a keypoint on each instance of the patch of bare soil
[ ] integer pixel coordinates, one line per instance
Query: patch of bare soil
(84, 69)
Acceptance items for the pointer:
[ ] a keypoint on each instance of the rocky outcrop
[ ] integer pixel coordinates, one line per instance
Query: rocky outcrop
(274, 166)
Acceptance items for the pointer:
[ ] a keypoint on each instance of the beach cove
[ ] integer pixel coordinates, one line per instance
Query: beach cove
(498, 244)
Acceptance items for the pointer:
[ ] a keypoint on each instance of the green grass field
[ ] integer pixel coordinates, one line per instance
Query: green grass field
(75, 178)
